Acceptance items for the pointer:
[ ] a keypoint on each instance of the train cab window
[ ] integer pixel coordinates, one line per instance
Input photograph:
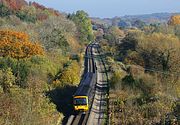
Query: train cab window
(80, 101)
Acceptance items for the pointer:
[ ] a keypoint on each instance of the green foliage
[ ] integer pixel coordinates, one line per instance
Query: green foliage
(27, 14)
(115, 79)
(128, 80)
(135, 58)
(7, 79)
(4, 11)
(84, 26)
(162, 49)
(24, 69)
(44, 66)
(38, 66)
(30, 102)
(109, 37)
(27, 106)
(27, 79)
(163, 28)
(6, 62)
(56, 40)
(54, 32)
(138, 24)
(177, 108)
(177, 31)
(152, 51)
(150, 90)
(70, 75)
(142, 98)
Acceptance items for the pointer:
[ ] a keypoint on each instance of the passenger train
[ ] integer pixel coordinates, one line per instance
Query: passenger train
(83, 96)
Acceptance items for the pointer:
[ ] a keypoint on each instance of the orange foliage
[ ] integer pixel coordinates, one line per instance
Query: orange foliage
(17, 45)
(175, 20)
(14, 4)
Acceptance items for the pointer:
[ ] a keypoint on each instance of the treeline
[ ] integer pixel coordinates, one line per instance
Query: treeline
(145, 74)
(31, 12)
(41, 50)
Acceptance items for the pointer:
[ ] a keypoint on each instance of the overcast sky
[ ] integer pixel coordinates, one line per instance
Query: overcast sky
(112, 8)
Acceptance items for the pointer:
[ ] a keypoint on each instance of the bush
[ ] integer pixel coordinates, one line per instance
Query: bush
(4, 10)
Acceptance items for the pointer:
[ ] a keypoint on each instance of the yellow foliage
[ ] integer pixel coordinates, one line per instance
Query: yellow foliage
(159, 41)
(17, 45)
(71, 75)
(74, 45)
(175, 20)
(117, 32)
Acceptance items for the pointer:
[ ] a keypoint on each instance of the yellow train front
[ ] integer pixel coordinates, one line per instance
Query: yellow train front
(80, 103)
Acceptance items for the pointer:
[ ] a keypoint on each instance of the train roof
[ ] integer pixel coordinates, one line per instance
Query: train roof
(84, 86)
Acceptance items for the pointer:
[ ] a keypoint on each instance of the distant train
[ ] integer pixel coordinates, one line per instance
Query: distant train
(83, 96)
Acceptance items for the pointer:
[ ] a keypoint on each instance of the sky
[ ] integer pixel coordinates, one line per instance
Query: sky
(112, 8)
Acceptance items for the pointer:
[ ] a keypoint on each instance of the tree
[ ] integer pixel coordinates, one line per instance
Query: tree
(53, 33)
(114, 35)
(71, 74)
(124, 24)
(27, 13)
(4, 10)
(6, 79)
(17, 45)
(14, 4)
(138, 24)
(162, 51)
(56, 40)
(84, 26)
(174, 20)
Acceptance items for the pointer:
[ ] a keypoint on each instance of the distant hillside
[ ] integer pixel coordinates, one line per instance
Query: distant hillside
(151, 18)
(130, 20)
(106, 21)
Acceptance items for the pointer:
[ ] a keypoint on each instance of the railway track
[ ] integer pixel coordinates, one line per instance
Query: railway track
(99, 111)
(97, 92)
(89, 77)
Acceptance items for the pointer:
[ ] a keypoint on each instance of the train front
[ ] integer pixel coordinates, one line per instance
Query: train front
(80, 103)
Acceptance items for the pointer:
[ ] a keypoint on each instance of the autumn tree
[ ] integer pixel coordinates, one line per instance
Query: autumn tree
(17, 45)
(14, 4)
(174, 20)
(154, 51)
(162, 51)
